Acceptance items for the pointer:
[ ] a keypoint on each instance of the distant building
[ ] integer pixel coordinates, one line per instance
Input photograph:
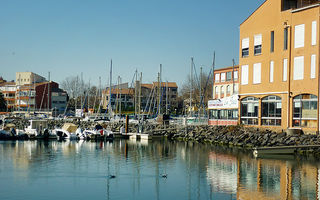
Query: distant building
(35, 97)
(226, 84)
(129, 98)
(223, 108)
(124, 96)
(8, 89)
(23, 78)
(168, 95)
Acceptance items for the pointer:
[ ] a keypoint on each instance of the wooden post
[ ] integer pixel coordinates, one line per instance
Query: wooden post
(127, 124)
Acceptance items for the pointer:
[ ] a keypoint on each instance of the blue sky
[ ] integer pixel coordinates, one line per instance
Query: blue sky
(67, 37)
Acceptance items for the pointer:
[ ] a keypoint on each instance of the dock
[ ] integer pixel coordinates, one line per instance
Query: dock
(280, 150)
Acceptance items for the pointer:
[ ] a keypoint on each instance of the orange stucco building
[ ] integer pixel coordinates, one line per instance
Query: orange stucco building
(279, 66)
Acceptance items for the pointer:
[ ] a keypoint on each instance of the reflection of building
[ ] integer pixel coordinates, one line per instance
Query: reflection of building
(262, 178)
(223, 109)
(225, 166)
(279, 67)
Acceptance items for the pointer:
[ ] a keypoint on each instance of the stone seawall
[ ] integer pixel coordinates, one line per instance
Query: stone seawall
(240, 136)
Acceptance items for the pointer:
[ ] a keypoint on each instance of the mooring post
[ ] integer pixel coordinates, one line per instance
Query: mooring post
(127, 124)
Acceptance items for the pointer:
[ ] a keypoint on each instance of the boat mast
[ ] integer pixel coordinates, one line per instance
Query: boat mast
(88, 96)
(139, 105)
(75, 96)
(135, 94)
(191, 86)
(81, 91)
(200, 103)
(159, 109)
(48, 107)
(19, 91)
(167, 97)
(120, 97)
(232, 76)
(213, 75)
(110, 88)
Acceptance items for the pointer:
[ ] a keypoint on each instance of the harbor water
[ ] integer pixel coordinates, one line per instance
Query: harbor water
(125, 169)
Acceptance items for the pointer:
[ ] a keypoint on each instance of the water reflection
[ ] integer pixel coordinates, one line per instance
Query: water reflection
(79, 169)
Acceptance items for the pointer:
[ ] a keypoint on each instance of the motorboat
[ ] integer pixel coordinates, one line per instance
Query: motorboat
(98, 132)
(9, 131)
(38, 129)
(69, 131)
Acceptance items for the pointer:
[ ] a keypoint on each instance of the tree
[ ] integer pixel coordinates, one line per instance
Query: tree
(194, 83)
(3, 103)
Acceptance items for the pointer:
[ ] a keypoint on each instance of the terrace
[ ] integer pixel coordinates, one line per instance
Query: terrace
(296, 4)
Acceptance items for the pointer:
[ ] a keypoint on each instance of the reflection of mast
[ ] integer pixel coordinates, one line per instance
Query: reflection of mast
(108, 179)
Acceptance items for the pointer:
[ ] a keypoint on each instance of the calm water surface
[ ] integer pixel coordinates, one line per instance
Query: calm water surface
(80, 170)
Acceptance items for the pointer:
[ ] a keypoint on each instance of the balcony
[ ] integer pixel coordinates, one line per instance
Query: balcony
(296, 4)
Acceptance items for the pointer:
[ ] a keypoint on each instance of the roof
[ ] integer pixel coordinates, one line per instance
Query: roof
(164, 84)
(226, 68)
(254, 12)
(7, 83)
(150, 86)
(122, 91)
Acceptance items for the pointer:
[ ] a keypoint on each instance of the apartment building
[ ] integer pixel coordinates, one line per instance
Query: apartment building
(125, 96)
(8, 89)
(279, 66)
(35, 97)
(223, 108)
(224, 83)
(23, 78)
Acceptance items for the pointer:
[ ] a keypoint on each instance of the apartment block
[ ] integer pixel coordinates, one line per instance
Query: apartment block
(23, 78)
(223, 108)
(279, 66)
(225, 84)
(8, 89)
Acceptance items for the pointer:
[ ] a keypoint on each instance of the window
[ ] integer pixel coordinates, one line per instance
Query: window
(285, 39)
(299, 36)
(216, 90)
(229, 76)
(221, 91)
(235, 75)
(314, 33)
(244, 74)
(224, 114)
(257, 44)
(305, 110)
(236, 89)
(272, 42)
(298, 68)
(249, 110)
(271, 71)
(217, 78)
(257, 73)
(271, 111)
(245, 47)
(223, 77)
(228, 90)
(285, 69)
(313, 66)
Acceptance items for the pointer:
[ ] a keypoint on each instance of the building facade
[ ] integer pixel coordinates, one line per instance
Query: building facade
(23, 78)
(279, 66)
(223, 108)
(224, 83)
(8, 89)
